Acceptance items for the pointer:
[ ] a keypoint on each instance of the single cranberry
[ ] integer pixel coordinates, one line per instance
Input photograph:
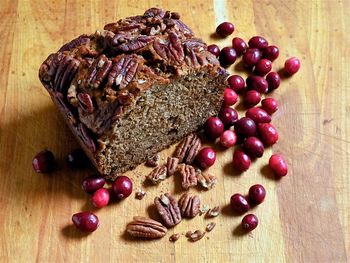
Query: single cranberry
(228, 116)
(228, 56)
(292, 65)
(239, 45)
(225, 29)
(230, 97)
(258, 42)
(263, 67)
(251, 98)
(270, 105)
(256, 194)
(245, 126)
(253, 147)
(77, 158)
(257, 83)
(206, 157)
(122, 187)
(278, 165)
(268, 133)
(100, 198)
(214, 49)
(274, 80)
(241, 161)
(258, 115)
(44, 162)
(271, 53)
(236, 83)
(251, 57)
(214, 127)
(239, 203)
(92, 184)
(249, 222)
(228, 138)
(85, 221)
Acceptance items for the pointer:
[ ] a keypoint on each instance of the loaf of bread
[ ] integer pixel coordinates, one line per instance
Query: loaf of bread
(135, 88)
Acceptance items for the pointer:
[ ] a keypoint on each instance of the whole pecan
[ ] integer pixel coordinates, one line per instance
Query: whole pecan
(168, 209)
(85, 102)
(206, 180)
(171, 165)
(145, 228)
(189, 205)
(153, 161)
(158, 174)
(188, 175)
(188, 148)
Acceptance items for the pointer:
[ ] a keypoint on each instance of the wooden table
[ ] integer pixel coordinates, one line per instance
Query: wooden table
(305, 217)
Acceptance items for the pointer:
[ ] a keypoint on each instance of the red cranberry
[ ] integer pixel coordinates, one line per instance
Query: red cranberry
(228, 56)
(292, 65)
(253, 147)
(245, 126)
(214, 127)
(258, 115)
(278, 165)
(263, 67)
(85, 221)
(241, 161)
(258, 42)
(100, 198)
(270, 105)
(257, 83)
(230, 97)
(249, 222)
(273, 79)
(251, 57)
(228, 138)
(77, 158)
(44, 162)
(271, 53)
(228, 116)
(92, 184)
(225, 29)
(236, 83)
(251, 98)
(268, 133)
(214, 49)
(239, 45)
(257, 194)
(239, 203)
(206, 157)
(122, 187)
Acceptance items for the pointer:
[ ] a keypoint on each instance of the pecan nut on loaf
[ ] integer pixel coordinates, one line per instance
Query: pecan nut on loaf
(135, 88)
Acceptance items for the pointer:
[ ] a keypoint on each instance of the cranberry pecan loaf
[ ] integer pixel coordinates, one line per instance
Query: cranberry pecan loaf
(135, 88)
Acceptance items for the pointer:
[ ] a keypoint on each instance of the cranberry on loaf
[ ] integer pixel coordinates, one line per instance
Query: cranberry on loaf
(135, 88)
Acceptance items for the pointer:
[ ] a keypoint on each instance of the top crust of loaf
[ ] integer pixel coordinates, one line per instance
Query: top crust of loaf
(95, 79)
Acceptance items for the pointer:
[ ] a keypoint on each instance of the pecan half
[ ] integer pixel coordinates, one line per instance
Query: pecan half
(188, 148)
(66, 70)
(168, 209)
(58, 97)
(145, 228)
(206, 180)
(188, 175)
(189, 205)
(213, 212)
(79, 41)
(210, 226)
(171, 165)
(123, 71)
(196, 235)
(85, 102)
(157, 175)
(153, 161)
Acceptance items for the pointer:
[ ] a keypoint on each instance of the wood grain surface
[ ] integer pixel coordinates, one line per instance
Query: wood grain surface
(305, 217)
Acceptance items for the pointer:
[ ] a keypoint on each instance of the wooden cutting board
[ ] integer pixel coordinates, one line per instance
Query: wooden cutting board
(305, 217)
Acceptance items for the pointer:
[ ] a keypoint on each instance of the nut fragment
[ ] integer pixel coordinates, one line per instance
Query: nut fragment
(153, 161)
(188, 148)
(206, 180)
(145, 228)
(174, 237)
(189, 205)
(140, 194)
(203, 209)
(214, 212)
(188, 174)
(210, 226)
(168, 209)
(196, 235)
(171, 165)
(157, 175)
(188, 233)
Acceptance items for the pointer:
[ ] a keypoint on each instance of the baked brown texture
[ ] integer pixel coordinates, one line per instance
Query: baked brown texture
(135, 88)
